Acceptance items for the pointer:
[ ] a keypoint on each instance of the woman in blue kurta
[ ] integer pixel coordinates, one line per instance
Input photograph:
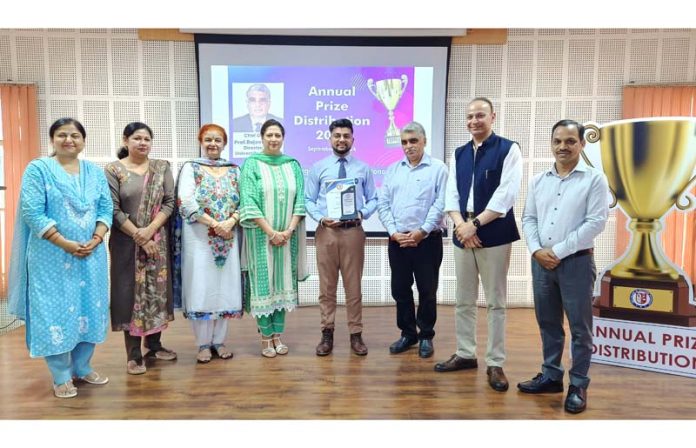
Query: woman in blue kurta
(58, 269)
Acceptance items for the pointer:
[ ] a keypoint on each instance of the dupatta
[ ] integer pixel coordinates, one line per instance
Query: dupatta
(177, 223)
(151, 273)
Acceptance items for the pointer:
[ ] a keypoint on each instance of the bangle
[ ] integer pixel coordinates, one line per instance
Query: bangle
(101, 240)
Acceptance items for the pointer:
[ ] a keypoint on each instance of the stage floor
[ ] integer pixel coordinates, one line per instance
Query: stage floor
(301, 385)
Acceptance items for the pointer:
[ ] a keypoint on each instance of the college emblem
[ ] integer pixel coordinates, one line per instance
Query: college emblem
(641, 298)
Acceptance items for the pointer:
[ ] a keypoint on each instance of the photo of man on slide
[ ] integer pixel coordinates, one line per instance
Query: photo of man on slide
(258, 103)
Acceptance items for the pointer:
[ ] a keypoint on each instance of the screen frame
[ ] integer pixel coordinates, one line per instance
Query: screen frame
(329, 41)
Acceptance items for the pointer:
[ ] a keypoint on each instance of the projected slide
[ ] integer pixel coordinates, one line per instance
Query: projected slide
(379, 87)
(378, 100)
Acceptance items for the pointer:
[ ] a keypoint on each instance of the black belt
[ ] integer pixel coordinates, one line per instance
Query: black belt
(348, 224)
(469, 216)
(437, 232)
(580, 253)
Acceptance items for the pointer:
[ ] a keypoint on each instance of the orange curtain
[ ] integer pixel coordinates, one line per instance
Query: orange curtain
(20, 130)
(679, 234)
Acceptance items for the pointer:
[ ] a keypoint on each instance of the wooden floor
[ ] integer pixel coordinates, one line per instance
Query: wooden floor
(341, 386)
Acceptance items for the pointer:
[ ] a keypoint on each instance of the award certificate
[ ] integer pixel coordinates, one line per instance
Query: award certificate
(340, 199)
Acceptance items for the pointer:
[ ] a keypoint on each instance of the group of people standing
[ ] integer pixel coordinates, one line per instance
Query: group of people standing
(567, 206)
(223, 240)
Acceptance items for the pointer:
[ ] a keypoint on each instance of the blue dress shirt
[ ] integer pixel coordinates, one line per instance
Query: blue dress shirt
(413, 198)
(565, 213)
(327, 169)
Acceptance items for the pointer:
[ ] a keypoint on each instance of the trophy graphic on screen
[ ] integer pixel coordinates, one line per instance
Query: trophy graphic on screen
(649, 164)
(388, 92)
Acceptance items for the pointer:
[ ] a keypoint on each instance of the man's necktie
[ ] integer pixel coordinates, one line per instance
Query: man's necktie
(342, 168)
(257, 127)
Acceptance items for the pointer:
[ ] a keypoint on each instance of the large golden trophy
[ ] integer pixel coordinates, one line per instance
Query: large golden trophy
(649, 164)
(388, 92)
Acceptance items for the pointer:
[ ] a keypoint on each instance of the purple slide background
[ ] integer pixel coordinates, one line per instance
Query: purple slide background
(304, 138)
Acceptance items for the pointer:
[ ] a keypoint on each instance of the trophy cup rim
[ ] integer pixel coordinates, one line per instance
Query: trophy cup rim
(640, 120)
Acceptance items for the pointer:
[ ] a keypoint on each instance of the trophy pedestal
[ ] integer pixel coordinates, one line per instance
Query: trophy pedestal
(658, 302)
(392, 140)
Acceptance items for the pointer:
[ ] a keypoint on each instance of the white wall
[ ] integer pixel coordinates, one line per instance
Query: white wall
(107, 78)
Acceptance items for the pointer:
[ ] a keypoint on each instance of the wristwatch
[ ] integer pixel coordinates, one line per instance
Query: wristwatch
(476, 223)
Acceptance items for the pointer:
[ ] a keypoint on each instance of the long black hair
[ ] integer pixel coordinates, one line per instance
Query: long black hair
(130, 129)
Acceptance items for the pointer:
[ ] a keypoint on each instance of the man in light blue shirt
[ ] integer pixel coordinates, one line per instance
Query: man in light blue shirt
(340, 245)
(567, 207)
(411, 207)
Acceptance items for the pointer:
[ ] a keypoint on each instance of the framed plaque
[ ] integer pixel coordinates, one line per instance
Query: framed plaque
(340, 199)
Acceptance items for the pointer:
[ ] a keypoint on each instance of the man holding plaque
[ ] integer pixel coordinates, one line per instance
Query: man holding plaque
(567, 207)
(411, 207)
(339, 193)
(483, 183)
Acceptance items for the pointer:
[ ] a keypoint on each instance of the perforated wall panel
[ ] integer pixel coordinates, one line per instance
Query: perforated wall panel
(95, 69)
(62, 69)
(5, 59)
(675, 60)
(98, 144)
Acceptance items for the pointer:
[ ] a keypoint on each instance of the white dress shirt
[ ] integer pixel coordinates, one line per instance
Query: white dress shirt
(565, 213)
(504, 196)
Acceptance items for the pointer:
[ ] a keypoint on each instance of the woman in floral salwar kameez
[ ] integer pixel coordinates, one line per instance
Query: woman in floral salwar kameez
(272, 212)
(142, 190)
(206, 240)
(58, 269)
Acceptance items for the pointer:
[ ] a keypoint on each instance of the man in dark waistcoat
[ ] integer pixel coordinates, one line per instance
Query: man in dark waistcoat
(484, 180)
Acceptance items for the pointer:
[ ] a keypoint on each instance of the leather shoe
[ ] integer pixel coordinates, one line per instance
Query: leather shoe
(425, 348)
(576, 401)
(326, 344)
(540, 385)
(456, 363)
(497, 379)
(357, 344)
(402, 345)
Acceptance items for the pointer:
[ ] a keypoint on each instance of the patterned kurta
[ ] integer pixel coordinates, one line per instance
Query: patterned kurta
(275, 192)
(211, 283)
(64, 299)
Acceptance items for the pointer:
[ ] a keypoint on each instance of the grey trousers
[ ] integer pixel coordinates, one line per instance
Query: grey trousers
(567, 288)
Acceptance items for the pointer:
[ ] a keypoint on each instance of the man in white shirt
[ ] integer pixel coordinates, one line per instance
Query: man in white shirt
(567, 207)
(482, 186)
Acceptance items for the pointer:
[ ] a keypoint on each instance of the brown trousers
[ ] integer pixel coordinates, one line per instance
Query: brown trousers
(340, 249)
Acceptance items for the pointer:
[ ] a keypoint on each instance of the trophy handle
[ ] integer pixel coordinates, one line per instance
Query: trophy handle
(371, 87)
(592, 135)
(404, 82)
(687, 196)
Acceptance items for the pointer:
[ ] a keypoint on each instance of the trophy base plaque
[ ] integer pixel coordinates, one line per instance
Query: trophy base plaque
(393, 140)
(658, 302)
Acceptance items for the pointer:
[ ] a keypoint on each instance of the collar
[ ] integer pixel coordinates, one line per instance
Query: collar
(580, 167)
(483, 143)
(425, 160)
(348, 157)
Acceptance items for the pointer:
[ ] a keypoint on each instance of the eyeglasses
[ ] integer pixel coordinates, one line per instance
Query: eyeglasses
(257, 100)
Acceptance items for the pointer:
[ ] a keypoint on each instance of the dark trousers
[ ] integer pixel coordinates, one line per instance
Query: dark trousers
(152, 342)
(423, 264)
(567, 288)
